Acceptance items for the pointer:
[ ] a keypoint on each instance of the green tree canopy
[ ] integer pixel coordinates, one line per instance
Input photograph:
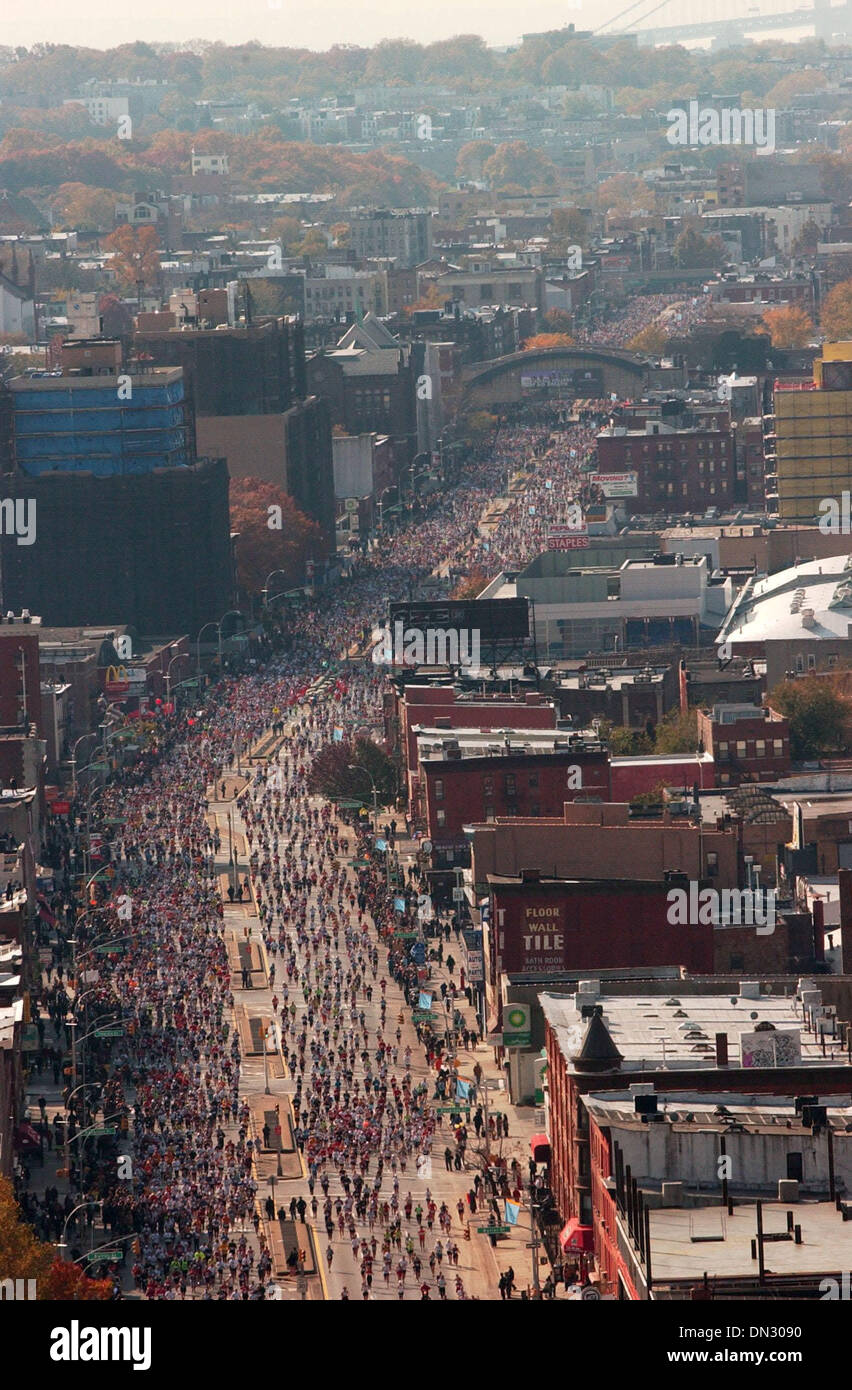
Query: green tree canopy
(819, 716)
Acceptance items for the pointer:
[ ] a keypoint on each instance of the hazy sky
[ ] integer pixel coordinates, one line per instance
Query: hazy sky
(105, 23)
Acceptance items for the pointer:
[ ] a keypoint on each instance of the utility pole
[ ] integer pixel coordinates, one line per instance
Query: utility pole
(535, 1240)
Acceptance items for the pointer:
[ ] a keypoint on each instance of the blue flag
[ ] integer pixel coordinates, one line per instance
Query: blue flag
(381, 844)
(425, 1001)
(512, 1213)
(399, 904)
(462, 1089)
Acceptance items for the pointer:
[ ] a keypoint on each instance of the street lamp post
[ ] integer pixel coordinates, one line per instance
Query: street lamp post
(80, 740)
(60, 1244)
(198, 644)
(180, 657)
(230, 613)
(359, 767)
(265, 589)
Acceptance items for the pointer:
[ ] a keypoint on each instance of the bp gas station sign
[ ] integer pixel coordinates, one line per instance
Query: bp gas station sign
(516, 1026)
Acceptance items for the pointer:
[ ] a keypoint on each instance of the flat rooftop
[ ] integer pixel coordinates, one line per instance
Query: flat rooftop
(691, 1110)
(675, 1034)
(436, 744)
(679, 1252)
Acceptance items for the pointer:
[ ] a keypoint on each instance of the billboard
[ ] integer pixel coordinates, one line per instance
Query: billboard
(616, 484)
(495, 619)
(537, 381)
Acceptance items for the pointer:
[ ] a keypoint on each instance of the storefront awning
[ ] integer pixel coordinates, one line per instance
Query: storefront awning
(540, 1148)
(574, 1236)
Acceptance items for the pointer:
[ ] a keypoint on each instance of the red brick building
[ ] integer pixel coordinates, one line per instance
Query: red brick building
(678, 470)
(480, 775)
(706, 1043)
(444, 707)
(606, 841)
(20, 681)
(748, 743)
(539, 924)
(636, 776)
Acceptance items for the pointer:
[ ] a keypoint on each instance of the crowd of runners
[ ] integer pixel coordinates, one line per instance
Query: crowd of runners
(139, 952)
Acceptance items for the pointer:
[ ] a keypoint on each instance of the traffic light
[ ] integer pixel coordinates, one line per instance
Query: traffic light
(137, 1246)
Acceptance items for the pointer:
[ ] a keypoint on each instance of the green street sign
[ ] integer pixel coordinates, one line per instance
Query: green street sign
(114, 820)
(108, 949)
(422, 1016)
(493, 1230)
(109, 1032)
(405, 935)
(98, 1130)
(452, 1110)
(101, 1256)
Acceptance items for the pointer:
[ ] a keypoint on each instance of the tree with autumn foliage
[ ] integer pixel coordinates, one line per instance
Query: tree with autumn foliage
(24, 1256)
(539, 341)
(651, 339)
(134, 254)
(77, 207)
(789, 326)
(431, 298)
(335, 772)
(515, 164)
(273, 535)
(471, 585)
(836, 316)
(558, 321)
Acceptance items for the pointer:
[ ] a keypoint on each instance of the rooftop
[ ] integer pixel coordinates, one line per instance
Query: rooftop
(678, 1251)
(438, 744)
(672, 1034)
(811, 601)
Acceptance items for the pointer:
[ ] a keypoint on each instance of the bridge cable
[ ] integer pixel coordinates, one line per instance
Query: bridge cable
(618, 16)
(643, 17)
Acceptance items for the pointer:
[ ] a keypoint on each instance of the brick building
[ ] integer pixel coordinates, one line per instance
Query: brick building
(482, 775)
(677, 470)
(538, 924)
(594, 840)
(748, 743)
(20, 678)
(445, 707)
(632, 696)
(707, 1043)
(252, 406)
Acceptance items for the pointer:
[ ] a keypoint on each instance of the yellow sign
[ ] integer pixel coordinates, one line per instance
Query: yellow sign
(117, 678)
